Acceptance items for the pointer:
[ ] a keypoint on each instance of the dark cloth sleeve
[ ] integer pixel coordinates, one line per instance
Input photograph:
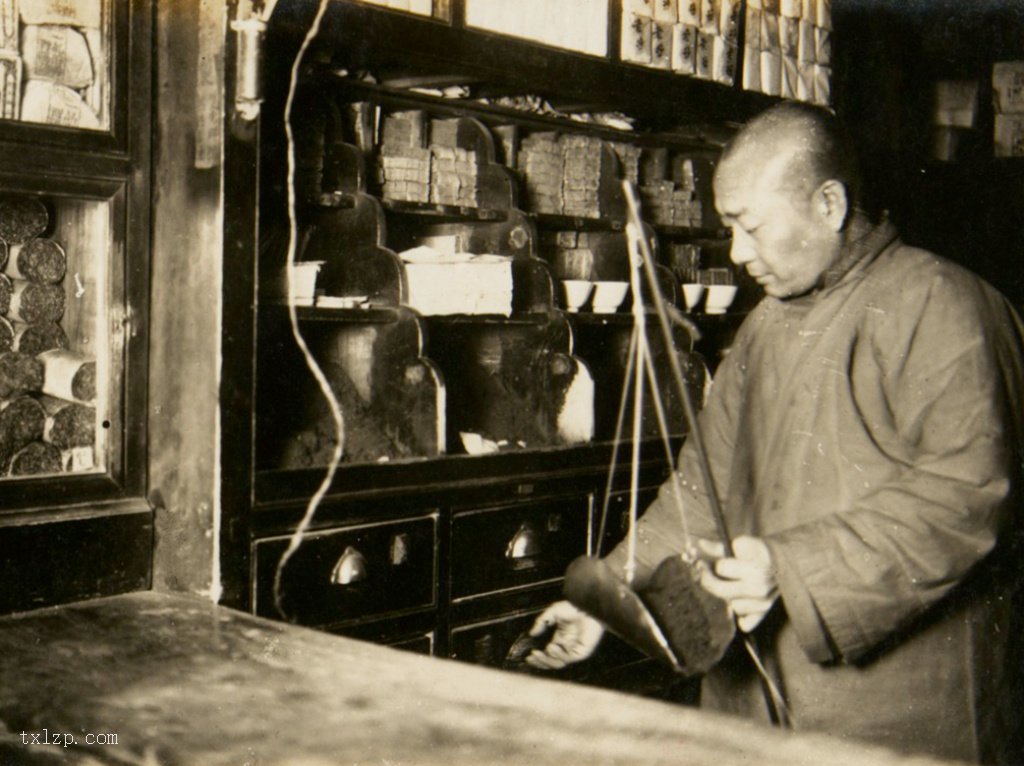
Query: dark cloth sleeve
(950, 389)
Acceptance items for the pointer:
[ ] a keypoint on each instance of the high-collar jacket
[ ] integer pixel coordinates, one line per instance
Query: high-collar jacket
(870, 433)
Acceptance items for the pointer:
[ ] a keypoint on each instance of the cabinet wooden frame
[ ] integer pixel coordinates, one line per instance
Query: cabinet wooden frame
(75, 536)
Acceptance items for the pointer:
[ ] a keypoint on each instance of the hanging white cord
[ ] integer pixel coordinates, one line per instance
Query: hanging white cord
(339, 424)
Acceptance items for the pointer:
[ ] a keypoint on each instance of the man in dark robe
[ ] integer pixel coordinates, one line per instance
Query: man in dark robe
(865, 436)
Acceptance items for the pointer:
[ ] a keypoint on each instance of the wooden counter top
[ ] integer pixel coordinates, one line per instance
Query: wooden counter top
(180, 681)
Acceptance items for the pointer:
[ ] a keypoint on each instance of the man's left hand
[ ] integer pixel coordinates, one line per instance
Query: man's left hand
(745, 581)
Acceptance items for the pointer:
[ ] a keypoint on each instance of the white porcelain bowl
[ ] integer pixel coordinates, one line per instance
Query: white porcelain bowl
(692, 293)
(576, 292)
(608, 296)
(719, 298)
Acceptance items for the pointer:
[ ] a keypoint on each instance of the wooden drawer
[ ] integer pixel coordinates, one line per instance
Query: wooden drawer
(617, 524)
(511, 546)
(488, 643)
(350, 573)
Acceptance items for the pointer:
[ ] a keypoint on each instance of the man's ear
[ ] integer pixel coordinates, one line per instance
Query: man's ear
(832, 204)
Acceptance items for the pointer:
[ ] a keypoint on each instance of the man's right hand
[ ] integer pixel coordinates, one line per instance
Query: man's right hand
(576, 636)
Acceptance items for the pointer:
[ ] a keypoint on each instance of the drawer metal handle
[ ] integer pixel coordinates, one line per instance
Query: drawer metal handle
(525, 544)
(351, 568)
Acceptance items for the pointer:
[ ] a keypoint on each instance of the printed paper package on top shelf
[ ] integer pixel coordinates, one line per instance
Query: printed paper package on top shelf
(788, 49)
(689, 37)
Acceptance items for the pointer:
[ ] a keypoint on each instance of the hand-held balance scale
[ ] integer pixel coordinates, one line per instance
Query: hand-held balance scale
(672, 617)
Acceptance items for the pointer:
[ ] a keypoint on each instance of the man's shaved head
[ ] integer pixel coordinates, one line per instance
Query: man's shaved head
(796, 147)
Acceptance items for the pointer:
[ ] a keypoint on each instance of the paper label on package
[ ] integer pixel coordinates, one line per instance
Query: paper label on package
(56, 53)
(54, 104)
(75, 13)
(1008, 84)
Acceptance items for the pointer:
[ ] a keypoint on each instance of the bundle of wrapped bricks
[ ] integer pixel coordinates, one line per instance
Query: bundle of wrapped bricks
(47, 391)
(404, 160)
(53, 67)
(541, 162)
(421, 160)
(573, 257)
(672, 202)
(563, 174)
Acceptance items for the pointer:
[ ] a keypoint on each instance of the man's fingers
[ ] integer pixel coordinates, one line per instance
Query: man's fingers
(542, 660)
(711, 548)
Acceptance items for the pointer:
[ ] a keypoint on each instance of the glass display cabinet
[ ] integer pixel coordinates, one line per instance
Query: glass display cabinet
(74, 254)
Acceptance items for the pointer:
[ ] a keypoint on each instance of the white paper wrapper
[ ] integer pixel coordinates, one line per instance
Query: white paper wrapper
(769, 31)
(805, 81)
(705, 52)
(709, 13)
(441, 284)
(824, 16)
(1008, 84)
(689, 12)
(78, 13)
(729, 21)
(723, 61)
(806, 46)
(60, 54)
(752, 24)
(791, 9)
(809, 11)
(790, 77)
(1009, 135)
(666, 11)
(822, 85)
(684, 48)
(10, 86)
(956, 103)
(751, 69)
(823, 46)
(9, 26)
(661, 45)
(55, 104)
(771, 73)
(641, 7)
(636, 39)
(789, 36)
